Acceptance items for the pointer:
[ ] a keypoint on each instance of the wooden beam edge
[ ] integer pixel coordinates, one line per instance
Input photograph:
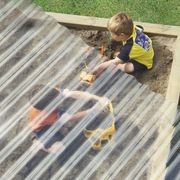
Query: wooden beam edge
(172, 95)
(101, 24)
(173, 90)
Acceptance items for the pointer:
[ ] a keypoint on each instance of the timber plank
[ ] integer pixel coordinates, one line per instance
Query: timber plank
(89, 22)
(173, 90)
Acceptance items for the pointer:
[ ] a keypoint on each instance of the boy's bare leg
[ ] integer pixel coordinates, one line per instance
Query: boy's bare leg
(39, 145)
(56, 147)
(126, 67)
(53, 149)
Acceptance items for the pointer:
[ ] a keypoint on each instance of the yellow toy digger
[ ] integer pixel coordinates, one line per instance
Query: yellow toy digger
(98, 136)
(87, 77)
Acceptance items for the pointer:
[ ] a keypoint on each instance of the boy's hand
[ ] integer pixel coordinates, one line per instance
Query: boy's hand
(65, 118)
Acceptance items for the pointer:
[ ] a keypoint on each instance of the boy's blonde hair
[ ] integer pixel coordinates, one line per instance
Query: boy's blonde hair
(120, 23)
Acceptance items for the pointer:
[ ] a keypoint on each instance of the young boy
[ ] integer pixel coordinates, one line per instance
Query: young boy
(46, 120)
(137, 52)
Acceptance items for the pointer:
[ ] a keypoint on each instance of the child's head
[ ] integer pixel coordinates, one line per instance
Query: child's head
(120, 26)
(43, 100)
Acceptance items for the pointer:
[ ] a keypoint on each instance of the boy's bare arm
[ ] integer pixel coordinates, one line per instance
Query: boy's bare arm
(117, 61)
(110, 62)
(103, 101)
(84, 95)
(79, 115)
(105, 65)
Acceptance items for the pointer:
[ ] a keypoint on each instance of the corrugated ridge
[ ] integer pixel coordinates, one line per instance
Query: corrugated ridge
(34, 50)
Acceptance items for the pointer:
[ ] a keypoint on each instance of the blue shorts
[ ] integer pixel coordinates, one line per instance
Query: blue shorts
(57, 137)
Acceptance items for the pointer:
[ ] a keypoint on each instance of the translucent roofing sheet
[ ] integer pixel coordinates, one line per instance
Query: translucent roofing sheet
(35, 49)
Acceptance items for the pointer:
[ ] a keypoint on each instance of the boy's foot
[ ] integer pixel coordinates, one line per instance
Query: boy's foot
(39, 145)
(57, 146)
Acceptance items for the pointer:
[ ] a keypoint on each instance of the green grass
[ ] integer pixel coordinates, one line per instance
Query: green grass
(153, 11)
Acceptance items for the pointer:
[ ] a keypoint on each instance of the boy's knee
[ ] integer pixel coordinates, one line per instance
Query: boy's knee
(129, 68)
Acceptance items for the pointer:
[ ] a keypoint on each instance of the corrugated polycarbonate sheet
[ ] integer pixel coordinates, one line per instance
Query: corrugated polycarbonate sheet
(35, 49)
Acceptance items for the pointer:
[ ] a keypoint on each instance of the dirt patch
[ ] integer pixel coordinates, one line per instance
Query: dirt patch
(157, 77)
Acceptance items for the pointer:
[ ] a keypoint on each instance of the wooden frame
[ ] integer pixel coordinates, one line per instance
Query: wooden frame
(101, 24)
(86, 22)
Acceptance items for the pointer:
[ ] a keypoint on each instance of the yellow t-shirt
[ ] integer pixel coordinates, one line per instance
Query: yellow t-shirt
(138, 48)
